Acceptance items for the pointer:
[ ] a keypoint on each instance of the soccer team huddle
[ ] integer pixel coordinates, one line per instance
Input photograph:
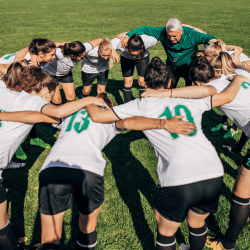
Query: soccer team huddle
(189, 169)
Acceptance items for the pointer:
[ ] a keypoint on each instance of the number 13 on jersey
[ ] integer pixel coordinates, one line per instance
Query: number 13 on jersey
(167, 113)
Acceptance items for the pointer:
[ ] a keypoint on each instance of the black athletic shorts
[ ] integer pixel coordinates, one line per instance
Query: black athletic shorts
(88, 78)
(2, 192)
(60, 186)
(64, 79)
(246, 161)
(128, 66)
(201, 197)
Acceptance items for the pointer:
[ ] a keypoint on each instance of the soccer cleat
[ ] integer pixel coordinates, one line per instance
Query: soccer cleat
(14, 165)
(215, 244)
(20, 154)
(39, 142)
(219, 127)
(184, 246)
(230, 133)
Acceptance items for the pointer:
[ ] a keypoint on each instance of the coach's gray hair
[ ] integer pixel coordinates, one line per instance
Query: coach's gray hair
(174, 24)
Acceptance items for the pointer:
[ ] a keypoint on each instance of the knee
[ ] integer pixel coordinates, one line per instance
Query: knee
(86, 90)
(57, 100)
(71, 97)
(128, 83)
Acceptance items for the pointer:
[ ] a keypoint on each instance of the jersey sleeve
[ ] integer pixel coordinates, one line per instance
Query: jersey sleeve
(116, 43)
(127, 110)
(147, 30)
(59, 54)
(88, 46)
(149, 41)
(199, 38)
(204, 104)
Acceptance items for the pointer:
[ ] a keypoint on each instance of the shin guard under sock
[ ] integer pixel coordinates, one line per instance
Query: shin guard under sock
(165, 242)
(127, 94)
(7, 238)
(86, 241)
(142, 89)
(238, 218)
(197, 237)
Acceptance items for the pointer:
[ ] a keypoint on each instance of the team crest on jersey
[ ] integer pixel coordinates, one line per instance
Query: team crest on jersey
(175, 60)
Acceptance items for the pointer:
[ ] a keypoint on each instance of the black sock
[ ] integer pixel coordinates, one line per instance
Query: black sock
(86, 241)
(197, 237)
(7, 238)
(83, 95)
(235, 127)
(127, 94)
(165, 242)
(224, 120)
(238, 217)
(242, 141)
(33, 133)
(142, 89)
(48, 246)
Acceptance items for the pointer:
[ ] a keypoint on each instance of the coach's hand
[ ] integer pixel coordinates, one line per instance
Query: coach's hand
(176, 126)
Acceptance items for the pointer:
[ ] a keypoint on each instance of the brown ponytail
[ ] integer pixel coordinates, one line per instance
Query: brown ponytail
(41, 45)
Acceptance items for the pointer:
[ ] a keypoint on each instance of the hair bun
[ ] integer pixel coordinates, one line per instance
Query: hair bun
(156, 62)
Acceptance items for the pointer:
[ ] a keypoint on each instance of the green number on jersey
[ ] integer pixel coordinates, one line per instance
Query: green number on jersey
(79, 126)
(9, 56)
(167, 113)
(245, 85)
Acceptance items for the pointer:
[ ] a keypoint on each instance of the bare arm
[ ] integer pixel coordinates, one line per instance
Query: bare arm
(124, 42)
(228, 94)
(121, 35)
(98, 115)
(114, 58)
(21, 54)
(185, 92)
(233, 47)
(173, 125)
(27, 117)
(197, 29)
(71, 107)
(4, 68)
(95, 42)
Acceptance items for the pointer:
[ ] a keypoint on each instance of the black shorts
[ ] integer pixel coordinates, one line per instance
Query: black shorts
(181, 71)
(128, 66)
(202, 197)
(60, 186)
(88, 78)
(2, 192)
(64, 79)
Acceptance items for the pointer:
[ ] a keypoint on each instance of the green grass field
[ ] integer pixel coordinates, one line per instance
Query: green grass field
(127, 219)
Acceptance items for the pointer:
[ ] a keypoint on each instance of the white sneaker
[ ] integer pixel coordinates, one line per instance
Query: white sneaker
(184, 246)
(14, 165)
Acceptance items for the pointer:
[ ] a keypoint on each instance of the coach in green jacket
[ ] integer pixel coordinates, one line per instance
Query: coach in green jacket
(179, 42)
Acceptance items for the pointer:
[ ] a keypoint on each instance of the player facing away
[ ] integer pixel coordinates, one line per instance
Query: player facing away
(179, 160)
(76, 173)
(33, 91)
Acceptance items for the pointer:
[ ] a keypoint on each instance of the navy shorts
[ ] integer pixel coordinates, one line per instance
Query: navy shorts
(64, 79)
(128, 66)
(60, 187)
(88, 78)
(202, 197)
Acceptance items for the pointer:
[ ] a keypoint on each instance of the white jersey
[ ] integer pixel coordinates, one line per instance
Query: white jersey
(80, 144)
(13, 133)
(2, 85)
(9, 58)
(239, 109)
(148, 41)
(94, 63)
(62, 65)
(181, 159)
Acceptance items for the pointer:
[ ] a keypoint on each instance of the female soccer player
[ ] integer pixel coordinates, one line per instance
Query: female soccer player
(135, 54)
(186, 189)
(67, 56)
(39, 52)
(33, 91)
(96, 66)
(79, 173)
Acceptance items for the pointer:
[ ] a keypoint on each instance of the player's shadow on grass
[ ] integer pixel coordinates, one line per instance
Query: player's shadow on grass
(114, 88)
(131, 179)
(16, 181)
